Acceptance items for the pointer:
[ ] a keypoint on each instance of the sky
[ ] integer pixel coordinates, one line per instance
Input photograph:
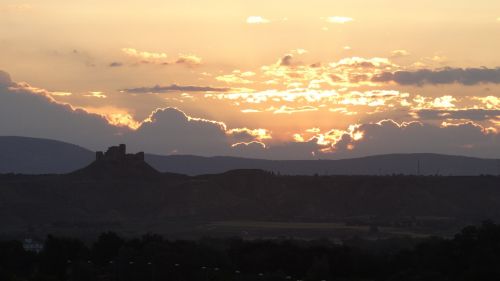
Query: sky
(316, 79)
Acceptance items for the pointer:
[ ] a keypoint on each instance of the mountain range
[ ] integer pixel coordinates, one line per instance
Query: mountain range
(24, 155)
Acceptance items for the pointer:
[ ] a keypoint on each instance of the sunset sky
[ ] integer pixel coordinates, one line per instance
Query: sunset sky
(316, 79)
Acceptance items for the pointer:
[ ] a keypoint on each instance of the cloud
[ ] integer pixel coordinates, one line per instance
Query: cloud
(173, 88)
(286, 60)
(237, 77)
(32, 112)
(145, 57)
(300, 51)
(290, 110)
(171, 131)
(5, 80)
(279, 151)
(399, 53)
(190, 60)
(388, 136)
(466, 114)
(16, 8)
(489, 101)
(464, 76)
(257, 20)
(61, 94)
(115, 64)
(338, 19)
(28, 111)
(96, 94)
(248, 135)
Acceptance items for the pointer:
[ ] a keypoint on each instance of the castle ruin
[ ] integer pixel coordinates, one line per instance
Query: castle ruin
(119, 154)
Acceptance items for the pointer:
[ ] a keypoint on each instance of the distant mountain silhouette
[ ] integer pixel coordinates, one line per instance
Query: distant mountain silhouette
(407, 164)
(40, 156)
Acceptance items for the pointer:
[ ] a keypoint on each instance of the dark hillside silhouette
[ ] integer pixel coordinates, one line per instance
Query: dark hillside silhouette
(115, 163)
(407, 164)
(40, 156)
(121, 191)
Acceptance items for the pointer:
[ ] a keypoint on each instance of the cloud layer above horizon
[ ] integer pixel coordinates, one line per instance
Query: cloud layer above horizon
(277, 80)
(30, 111)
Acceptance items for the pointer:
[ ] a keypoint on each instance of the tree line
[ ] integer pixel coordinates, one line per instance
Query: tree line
(472, 254)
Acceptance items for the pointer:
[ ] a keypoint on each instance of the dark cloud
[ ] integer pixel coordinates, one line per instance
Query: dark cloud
(356, 78)
(464, 76)
(171, 131)
(241, 136)
(115, 64)
(173, 88)
(336, 78)
(33, 113)
(468, 114)
(286, 60)
(189, 60)
(5, 80)
(390, 137)
(362, 64)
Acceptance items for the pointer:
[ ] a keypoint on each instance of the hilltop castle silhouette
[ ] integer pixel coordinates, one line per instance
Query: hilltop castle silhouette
(118, 154)
(116, 163)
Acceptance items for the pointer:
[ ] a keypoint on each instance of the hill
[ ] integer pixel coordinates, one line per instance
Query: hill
(405, 164)
(41, 156)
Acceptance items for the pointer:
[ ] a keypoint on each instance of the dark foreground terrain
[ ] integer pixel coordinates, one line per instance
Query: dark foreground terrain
(472, 254)
(135, 199)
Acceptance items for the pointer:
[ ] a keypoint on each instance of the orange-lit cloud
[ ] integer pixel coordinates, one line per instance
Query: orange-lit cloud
(143, 56)
(399, 53)
(96, 94)
(61, 94)
(237, 77)
(188, 60)
(160, 58)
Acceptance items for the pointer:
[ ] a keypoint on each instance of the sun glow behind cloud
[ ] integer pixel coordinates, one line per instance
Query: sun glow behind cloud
(339, 19)
(257, 20)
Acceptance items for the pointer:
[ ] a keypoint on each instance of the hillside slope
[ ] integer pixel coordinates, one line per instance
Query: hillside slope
(24, 155)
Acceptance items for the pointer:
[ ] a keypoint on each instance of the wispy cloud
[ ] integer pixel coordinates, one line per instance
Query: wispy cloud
(173, 88)
(61, 94)
(257, 20)
(96, 94)
(145, 56)
(16, 8)
(115, 64)
(188, 59)
(339, 19)
(399, 53)
(158, 58)
(464, 76)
